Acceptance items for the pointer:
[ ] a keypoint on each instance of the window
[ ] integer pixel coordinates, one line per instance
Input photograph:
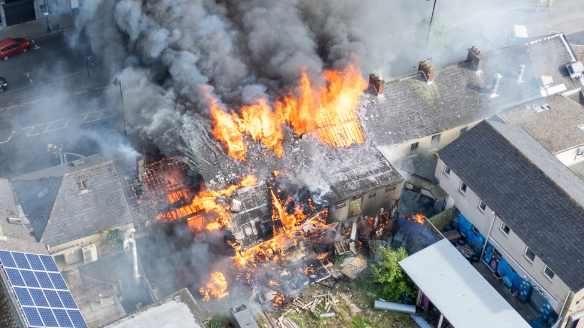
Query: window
(548, 272)
(435, 140)
(529, 254)
(463, 187)
(338, 207)
(414, 148)
(372, 195)
(474, 230)
(463, 130)
(482, 206)
(446, 170)
(389, 189)
(505, 228)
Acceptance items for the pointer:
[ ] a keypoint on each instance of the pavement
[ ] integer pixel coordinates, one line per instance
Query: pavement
(55, 23)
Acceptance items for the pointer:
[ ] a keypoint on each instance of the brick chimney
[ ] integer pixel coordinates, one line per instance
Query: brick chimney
(377, 82)
(427, 69)
(476, 58)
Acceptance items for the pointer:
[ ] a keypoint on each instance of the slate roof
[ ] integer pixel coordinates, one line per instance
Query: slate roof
(59, 211)
(538, 197)
(554, 122)
(458, 96)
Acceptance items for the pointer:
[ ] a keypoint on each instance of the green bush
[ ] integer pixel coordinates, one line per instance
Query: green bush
(388, 273)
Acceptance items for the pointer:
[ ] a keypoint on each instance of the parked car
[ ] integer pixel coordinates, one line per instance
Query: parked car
(13, 46)
(3, 84)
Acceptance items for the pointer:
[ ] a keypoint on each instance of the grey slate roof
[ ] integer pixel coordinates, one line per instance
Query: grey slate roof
(556, 128)
(458, 96)
(538, 197)
(59, 211)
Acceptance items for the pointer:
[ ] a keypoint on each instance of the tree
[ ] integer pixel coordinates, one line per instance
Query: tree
(438, 35)
(388, 273)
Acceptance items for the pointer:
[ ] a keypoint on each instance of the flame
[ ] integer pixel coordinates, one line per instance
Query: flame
(273, 283)
(322, 256)
(278, 300)
(280, 213)
(419, 218)
(216, 287)
(327, 111)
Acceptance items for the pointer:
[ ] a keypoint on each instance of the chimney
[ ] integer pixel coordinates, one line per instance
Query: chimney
(476, 58)
(427, 69)
(520, 75)
(496, 78)
(377, 82)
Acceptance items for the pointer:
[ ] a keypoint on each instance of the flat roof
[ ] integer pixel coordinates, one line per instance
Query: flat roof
(458, 290)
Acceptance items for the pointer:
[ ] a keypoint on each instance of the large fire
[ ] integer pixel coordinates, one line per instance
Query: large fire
(328, 112)
(216, 287)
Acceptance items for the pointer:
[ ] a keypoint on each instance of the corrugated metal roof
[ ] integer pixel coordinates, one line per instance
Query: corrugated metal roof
(457, 289)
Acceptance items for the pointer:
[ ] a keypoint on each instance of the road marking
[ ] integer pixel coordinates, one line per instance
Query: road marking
(10, 137)
(55, 129)
(60, 125)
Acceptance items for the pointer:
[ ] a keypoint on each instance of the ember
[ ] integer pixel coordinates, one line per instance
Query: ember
(216, 287)
(419, 218)
(327, 112)
(273, 283)
(278, 300)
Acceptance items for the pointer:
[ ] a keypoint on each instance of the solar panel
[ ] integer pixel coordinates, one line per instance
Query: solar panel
(58, 281)
(53, 299)
(77, 319)
(29, 278)
(20, 260)
(14, 277)
(33, 317)
(35, 262)
(48, 317)
(7, 260)
(63, 318)
(41, 291)
(49, 263)
(44, 280)
(67, 300)
(23, 296)
(38, 297)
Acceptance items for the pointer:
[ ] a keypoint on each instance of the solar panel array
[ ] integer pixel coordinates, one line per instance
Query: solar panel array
(41, 291)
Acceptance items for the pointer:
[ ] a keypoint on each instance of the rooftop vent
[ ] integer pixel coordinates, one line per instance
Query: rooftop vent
(476, 58)
(82, 186)
(520, 74)
(377, 82)
(427, 69)
(496, 78)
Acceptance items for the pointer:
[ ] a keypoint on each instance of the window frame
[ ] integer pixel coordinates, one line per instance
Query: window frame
(474, 230)
(372, 195)
(414, 148)
(545, 273)
(465, 187)
(527, 257)
(482, 203)
(503, 228)
(435, 141)
(445, 169)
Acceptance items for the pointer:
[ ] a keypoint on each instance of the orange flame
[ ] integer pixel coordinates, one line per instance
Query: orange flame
(322, 256)
(278, 300)
(288, 220)
(216, 287)
(419, 218)
(328, 112)
(273, 283)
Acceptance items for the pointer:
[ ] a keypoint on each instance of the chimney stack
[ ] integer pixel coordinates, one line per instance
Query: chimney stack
(427, 69)
(476, 58)
(377, 82)
(496, 78)
(520, 75)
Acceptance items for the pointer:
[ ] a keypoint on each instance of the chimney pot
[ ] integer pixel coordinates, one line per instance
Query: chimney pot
(476, 58)
(377, 82)
(427, 69)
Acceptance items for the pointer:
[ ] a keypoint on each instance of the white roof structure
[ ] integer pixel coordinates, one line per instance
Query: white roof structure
(177, 310)
(458, 290)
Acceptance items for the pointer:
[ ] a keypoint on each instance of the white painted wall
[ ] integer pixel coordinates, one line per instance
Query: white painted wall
(511, 246)
(570, 157)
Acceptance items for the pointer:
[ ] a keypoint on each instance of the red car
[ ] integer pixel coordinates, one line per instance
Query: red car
(13, 46)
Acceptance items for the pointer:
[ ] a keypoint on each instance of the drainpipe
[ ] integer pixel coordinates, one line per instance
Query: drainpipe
(488, 235)
(132, 243)
(561, 318)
